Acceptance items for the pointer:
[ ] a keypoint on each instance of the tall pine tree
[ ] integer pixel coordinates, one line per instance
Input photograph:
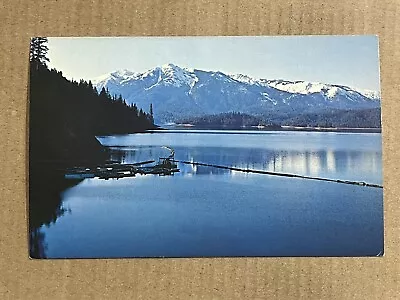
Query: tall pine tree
(38, 52)
(151, 113)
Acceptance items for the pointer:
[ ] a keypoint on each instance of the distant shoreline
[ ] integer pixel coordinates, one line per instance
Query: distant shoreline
(272, 128)
(332, 129)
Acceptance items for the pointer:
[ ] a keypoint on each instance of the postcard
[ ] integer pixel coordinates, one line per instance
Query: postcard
(266, 146)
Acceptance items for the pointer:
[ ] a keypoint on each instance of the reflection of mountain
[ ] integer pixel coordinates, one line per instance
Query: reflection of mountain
(323, 163)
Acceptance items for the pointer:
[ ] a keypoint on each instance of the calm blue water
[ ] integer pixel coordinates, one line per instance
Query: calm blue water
(204, 211)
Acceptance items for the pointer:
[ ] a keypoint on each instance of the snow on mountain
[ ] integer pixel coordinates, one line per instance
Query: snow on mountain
(177, 76)
(177, 92)
(244, 79)
(169, 74)
(302, 87)
(370, 94)
(305, 87)
(330, 90)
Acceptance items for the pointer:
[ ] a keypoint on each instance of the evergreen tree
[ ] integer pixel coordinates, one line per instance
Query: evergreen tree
(151, 113)
(38, 52)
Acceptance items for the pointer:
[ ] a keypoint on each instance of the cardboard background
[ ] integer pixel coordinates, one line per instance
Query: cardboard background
(220, 278)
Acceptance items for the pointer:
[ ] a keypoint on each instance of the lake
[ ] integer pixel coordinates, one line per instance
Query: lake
(205, 211)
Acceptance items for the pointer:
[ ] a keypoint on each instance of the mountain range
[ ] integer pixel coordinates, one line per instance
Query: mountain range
(179, 93)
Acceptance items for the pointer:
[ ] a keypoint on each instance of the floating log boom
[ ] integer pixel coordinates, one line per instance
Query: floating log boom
(360, 183)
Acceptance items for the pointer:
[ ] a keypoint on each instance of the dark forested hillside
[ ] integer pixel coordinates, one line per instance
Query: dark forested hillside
(66, 116)
(232, 119)
(366, 118)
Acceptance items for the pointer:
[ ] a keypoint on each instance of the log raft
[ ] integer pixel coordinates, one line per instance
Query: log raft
(163, 167)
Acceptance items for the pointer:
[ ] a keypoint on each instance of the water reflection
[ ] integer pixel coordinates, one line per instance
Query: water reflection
(348, 156)
(37, 244)
(127, 155)
(347, 165)
(45, 204)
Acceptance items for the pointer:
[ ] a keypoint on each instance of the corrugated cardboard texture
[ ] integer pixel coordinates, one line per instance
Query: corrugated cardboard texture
(257, 278)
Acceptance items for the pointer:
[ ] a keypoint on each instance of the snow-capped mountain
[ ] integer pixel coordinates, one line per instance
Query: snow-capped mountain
(178, 93)
(370, 94)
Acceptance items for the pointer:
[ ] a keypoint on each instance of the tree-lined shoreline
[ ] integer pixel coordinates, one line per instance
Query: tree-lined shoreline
(368, 119)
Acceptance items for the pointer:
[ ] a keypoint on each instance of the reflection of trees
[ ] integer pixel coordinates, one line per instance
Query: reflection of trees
(298, 162)
(45, 204)
(307, 162)
(314, 163)
(37, 246)
(129, 155)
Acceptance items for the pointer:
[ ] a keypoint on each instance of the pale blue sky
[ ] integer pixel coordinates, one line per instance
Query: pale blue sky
(346, 60)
